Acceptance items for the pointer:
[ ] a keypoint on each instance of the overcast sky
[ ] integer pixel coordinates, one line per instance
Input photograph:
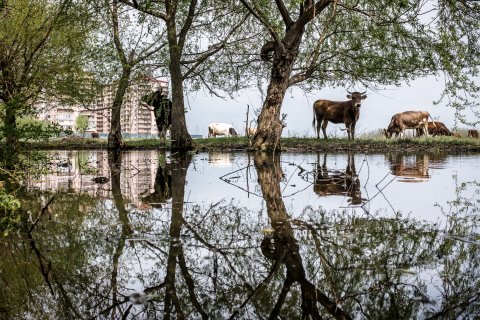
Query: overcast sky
(375, 113)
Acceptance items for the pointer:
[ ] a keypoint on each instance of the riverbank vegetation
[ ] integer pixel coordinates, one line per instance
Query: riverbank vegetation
(289, 144)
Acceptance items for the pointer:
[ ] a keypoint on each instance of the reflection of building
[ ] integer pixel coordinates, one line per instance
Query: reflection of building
(134, 118)
(74, 171)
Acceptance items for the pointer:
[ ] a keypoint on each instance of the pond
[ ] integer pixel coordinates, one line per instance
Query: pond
(153, 235)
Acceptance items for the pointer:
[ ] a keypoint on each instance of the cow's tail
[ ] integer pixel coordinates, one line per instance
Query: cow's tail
(433, 121)
(314, 119)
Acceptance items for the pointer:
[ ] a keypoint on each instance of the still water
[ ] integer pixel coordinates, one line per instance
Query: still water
(149, 235)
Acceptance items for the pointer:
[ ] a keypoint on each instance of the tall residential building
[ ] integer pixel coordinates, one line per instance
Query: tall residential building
(135, 119)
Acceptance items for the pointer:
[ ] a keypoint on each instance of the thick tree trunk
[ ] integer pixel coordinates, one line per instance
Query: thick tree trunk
(180, 137)
(270, 126)
(115, 140)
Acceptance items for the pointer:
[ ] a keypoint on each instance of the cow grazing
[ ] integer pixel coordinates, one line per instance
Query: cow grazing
(95, 135)
(162, 109)
(435, 128)
(457, 134)
(251, 132)
(221, 129)
(407, 120)
(472, 133)
(346, 112)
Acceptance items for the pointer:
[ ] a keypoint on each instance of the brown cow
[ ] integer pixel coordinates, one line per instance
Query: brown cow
(457, 134)
(472, 133)
(435, 128)
(407, 120)
(346, 112)
(339, 183)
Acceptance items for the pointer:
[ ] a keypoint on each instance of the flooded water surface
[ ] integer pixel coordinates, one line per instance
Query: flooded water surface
(152, 235)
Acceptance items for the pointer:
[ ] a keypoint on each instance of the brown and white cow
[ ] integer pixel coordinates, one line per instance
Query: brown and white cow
(221, 129)
(472, 133)
(407, 120)
(435, 128)
(346, 112)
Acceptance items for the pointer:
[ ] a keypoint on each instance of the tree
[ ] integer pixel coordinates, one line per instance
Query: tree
(81, 124)
(185, 23)
(42, 47)
(343, 43)
(135, 43)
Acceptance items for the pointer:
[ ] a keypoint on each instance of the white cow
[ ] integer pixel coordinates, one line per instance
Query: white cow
(221, 129)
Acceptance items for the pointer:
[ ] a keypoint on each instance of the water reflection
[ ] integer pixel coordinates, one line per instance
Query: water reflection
(336, 182)
(414, 167)
(281, 246)
(96, 257)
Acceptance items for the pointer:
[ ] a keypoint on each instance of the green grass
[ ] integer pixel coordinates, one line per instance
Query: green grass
(295, 144)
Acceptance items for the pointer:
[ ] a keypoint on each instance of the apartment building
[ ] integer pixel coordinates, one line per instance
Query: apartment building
(135, 119)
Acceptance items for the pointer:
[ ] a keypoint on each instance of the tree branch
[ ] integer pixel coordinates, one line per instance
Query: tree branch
(154, 13)
(188, 23)
(284, 12)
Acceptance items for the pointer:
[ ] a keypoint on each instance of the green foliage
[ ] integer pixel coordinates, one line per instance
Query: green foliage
(81, 123)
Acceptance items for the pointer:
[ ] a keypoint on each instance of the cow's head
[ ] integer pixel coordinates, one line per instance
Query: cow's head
(232, 132)
(387, 133)
(356, 98)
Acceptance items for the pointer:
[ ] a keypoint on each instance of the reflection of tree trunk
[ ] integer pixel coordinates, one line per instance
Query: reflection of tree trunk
(282, 245)
(180, 163)
(115, 163)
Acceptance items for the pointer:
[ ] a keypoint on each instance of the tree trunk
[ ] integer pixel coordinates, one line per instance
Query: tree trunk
(180, 137)
(270, 126)
(115, 140)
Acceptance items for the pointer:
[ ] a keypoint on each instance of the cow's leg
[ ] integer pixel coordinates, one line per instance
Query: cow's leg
(324, 128)
(319, 123)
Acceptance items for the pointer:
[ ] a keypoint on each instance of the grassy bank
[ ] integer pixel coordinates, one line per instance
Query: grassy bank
(367, 145)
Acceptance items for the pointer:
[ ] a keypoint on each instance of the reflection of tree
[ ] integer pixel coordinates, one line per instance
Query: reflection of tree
(200, 261)
(282, 246)
(347, 183)
(115, 164)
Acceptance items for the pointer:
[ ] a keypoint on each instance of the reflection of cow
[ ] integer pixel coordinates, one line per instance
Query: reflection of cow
(162, 109)
(221, 129)
(337, 182)
(414, 167)
(95, 135)
(162, 187)
(407, 120)
(218, 159)
(472, 133)
(346, 112)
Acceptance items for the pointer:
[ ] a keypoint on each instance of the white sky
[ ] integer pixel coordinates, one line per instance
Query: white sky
(375, 113)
